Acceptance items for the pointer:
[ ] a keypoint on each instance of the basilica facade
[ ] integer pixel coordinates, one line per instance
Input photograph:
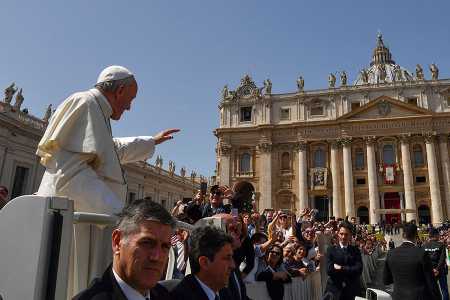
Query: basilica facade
(377, 149)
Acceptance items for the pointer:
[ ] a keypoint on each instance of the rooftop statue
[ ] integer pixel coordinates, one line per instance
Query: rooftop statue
(331, 80)
(48, 113)
(381, 72)
(300, 83)
(343, 78)
(434, 72)
(225, 92)
(193, 176)
(419, 72)
(171, 168)
(19, 100)
(9, 93)
(364, 76)
(183, 172)
(267, 86)
(398, 74)
(159, 161)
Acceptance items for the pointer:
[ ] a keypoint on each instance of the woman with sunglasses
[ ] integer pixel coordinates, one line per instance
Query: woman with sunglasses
(275, 275)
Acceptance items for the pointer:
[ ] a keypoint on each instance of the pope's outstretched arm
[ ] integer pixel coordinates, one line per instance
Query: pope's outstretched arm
(141, 148)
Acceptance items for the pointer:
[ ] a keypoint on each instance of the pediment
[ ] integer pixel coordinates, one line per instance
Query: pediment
(385, 108)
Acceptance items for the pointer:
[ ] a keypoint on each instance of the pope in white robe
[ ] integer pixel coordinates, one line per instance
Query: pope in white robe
(83, 162)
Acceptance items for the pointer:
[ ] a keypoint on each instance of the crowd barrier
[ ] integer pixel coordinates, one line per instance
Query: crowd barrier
(313, 286)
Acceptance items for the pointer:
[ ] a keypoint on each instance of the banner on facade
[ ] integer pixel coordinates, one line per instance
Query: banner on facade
(394, 210)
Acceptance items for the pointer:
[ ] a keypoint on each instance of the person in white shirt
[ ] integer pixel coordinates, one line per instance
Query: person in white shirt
(83, 163)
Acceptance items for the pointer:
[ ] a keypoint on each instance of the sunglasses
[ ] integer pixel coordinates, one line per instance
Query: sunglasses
(275, 253)
(217, 193)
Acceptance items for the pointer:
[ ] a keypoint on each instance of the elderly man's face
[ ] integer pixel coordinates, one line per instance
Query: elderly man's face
(124, 96)
(140, 258)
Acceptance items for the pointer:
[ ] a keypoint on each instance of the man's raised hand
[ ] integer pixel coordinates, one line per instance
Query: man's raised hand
(165, 135)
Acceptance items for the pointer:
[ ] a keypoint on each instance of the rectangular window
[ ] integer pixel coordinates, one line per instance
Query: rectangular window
(285, 114)
(246, 114)
(317, 111)
(20, 181)
(412, 101)
(360, 181)
(355, 105)
(448, 100)
(164, 203)
(421, 179)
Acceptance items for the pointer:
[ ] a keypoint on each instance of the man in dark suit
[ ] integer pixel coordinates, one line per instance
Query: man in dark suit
(211, 260)
(344, 267)
(141, 244)
(409, 268)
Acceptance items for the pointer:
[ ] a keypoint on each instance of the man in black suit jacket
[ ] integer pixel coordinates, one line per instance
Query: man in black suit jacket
(141, 244)
(409, 268)
(344, 267)
(107, 288)
(211, 260)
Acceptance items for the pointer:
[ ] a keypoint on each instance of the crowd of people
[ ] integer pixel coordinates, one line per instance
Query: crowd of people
(276, 246)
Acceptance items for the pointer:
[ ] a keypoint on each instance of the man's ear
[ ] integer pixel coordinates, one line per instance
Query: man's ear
(203, 261)
(116, 238)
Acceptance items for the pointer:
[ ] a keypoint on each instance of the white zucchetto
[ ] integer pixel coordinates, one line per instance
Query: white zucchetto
(113, 73)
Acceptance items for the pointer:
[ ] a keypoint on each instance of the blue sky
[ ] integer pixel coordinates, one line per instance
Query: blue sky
(183, 52)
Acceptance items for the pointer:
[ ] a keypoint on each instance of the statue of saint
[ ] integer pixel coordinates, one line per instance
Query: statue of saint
(193, 176)
(364, 76)
(267, 86)
(434, 72)
(331, 80)
(381, 72)
(398, 74)
(159, 161)
(419, 72)
(225, 92)
(343, 78)
(300, 83)
(19, 100)
(9, 93)
(183, 172)
(171, 168)
(48, 113)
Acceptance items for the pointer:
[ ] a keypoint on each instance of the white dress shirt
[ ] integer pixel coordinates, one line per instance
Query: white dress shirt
(208, 291)
(130, 292)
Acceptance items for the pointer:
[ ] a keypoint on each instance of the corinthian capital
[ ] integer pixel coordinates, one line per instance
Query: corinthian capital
(370, 139)
(429, 137)
(225, 149)
(265, 147)
(301, 145)
(346, 141)
(404, 138)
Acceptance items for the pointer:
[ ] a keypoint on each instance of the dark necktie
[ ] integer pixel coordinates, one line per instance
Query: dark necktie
(217, 297)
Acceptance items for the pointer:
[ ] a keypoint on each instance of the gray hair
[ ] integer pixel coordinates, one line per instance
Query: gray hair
(113, 85)
(138, 211)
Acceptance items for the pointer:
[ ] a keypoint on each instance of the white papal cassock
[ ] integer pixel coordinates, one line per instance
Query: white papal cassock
(83, 163)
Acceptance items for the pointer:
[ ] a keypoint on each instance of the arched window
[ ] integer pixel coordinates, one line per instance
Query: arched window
(418, 155)
(319, 158)
(388, 154)
(359, 159)
(244, 163)
(285, 161)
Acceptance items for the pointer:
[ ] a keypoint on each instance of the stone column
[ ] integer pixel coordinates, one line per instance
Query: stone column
(433, 176)
(402, 205)
(336, 180)
(372, 176)
(265, 176)
(302, 176)
(225, 164)
(348, 178)
(443, 147)
(408, 182)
